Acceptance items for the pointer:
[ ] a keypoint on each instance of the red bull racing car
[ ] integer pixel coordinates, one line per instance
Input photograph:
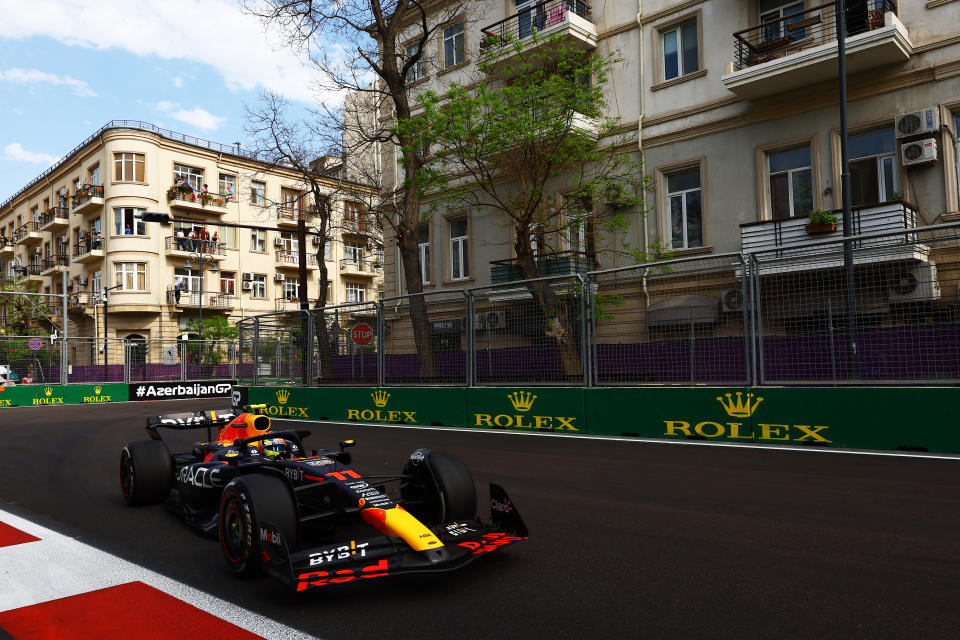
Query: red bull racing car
(313, 520)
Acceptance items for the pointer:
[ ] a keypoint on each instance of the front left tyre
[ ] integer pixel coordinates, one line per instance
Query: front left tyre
(146, 472)
(247, 502)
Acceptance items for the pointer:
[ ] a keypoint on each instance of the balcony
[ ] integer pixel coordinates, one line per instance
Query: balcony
(800, 49)
(369, 268)
(183, 247)
(789, 238)
(86, 251)
(82, 302)
(7, 249)
(563, 263)
(287, 215)
(55, 263)
(55, 219)
(291, 304)
(195, 299)
(182, 198)
(32, 272)
(291, 260)
(88, 199)
(530, 29)
(29, 233)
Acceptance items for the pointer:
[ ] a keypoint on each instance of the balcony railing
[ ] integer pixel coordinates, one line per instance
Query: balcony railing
(25, 230)
(58, 260)
(803, 30)
(368, 267)
(292, 259)
(290, 304)
(6, 246)
(83, 247)
(85, 194)
(543, 17)
(555, 264)
(83, 299)
(178, 194)
(287, 213)
(192, 245)
(55, 214)
(208, 299)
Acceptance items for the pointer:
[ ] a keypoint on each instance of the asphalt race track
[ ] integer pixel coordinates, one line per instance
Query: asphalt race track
(627, 539)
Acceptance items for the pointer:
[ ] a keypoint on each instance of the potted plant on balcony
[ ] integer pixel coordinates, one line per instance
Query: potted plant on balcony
(821, 222)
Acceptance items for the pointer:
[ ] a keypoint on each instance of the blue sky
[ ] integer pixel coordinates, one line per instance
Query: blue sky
(67, 67)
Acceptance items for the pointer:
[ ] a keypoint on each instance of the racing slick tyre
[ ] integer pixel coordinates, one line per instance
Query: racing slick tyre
(445, 489)
(246, 502)
(146, 472)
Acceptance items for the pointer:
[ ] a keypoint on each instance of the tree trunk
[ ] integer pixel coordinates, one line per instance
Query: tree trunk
(324, 352)
(410, 255)
(557, 324)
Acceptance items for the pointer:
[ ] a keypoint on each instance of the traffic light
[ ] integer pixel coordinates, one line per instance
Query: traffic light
(152, 216)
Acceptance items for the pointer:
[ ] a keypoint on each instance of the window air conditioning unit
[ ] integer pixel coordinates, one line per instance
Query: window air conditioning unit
(278, 241)
(731, 301)
(915, 283)
(247, 286)
(84, 281)
(278, 277)
(247, 276)
(918, 123)
(489, 320)
(317, 241)
(918, 151)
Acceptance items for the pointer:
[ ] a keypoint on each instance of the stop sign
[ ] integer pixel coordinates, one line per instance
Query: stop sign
(362, 334)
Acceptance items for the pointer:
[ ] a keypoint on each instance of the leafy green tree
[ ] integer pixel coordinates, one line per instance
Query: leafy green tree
(216, 328)
(530, 139)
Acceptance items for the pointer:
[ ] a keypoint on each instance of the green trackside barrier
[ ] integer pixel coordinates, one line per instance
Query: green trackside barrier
(917, 418)
(39, 395)
(440, 406)
(539, 409)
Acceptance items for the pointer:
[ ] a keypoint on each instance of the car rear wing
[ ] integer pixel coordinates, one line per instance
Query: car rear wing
(190, 420)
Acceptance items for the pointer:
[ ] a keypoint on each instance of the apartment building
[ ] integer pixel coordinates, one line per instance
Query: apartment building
(80, 218)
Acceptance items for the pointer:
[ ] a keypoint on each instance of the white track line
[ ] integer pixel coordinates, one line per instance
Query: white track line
(58, 566)
(602, 438)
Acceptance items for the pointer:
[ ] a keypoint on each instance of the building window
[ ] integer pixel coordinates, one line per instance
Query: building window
(189, 277)
(353, 252)
(957, 144)
(459, 250)
(258, 240)
(290, 201)
(95, 175)
(291, 289)
(258, 193)
(686, 215)
(228, 283)
(259, 286)
(326, 250)
(419, 69)
(228, 236)
(356, 292)
(190, 175)
(577, 228)
(423, 243)
(772, 14)
(873, 167)
(454, 45)
(289, 243)
(125, 223)
(680, 50)
(329, 290)
(128, 167)
(131, 276)
(791, 182)
(96, 279)
(352, 211)
(227, 186)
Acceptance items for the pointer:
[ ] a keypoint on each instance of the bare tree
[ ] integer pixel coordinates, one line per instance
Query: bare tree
(369, 48)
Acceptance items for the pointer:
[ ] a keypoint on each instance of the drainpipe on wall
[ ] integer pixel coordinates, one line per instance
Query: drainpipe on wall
(643, 163)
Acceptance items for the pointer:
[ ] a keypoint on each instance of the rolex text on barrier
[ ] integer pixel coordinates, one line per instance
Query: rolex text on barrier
(181, 390)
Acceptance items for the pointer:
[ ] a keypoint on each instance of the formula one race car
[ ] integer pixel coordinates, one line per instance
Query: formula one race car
(312, 520)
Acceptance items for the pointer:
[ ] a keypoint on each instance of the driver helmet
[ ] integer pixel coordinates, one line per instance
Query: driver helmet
(279, 448)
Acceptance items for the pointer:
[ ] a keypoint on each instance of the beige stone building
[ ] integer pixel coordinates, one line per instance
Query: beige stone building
(81, 217)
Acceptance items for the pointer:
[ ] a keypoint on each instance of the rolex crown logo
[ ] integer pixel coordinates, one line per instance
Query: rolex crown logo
(521, 401)
(97, 389)
(282, 396)
(380, 398)
(739, 408)
(48, 391)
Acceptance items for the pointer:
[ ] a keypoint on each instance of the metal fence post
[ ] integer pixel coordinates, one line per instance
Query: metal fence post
(381, 342)
(745, 291)
(758, 359)
(256, 350)
(584, 330)
(594, 357)
(126, 360)
(311, 339)
(470, 361)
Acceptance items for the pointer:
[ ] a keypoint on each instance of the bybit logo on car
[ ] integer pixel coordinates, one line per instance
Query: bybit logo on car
(522, 402)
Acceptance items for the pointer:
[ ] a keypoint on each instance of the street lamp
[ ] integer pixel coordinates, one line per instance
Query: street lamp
(202, 257)
(106, 340)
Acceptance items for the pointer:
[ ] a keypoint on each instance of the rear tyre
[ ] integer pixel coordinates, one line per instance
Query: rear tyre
(443, 489)
(246, 502)
(146, 472)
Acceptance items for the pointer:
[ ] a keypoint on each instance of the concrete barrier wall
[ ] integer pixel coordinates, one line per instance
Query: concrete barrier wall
(40, 395)
(870, 418)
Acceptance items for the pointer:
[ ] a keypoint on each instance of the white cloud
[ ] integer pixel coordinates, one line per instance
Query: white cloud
(177, 81)
(198, 117)
(14, 151)
(35, 77)
(209, 31)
